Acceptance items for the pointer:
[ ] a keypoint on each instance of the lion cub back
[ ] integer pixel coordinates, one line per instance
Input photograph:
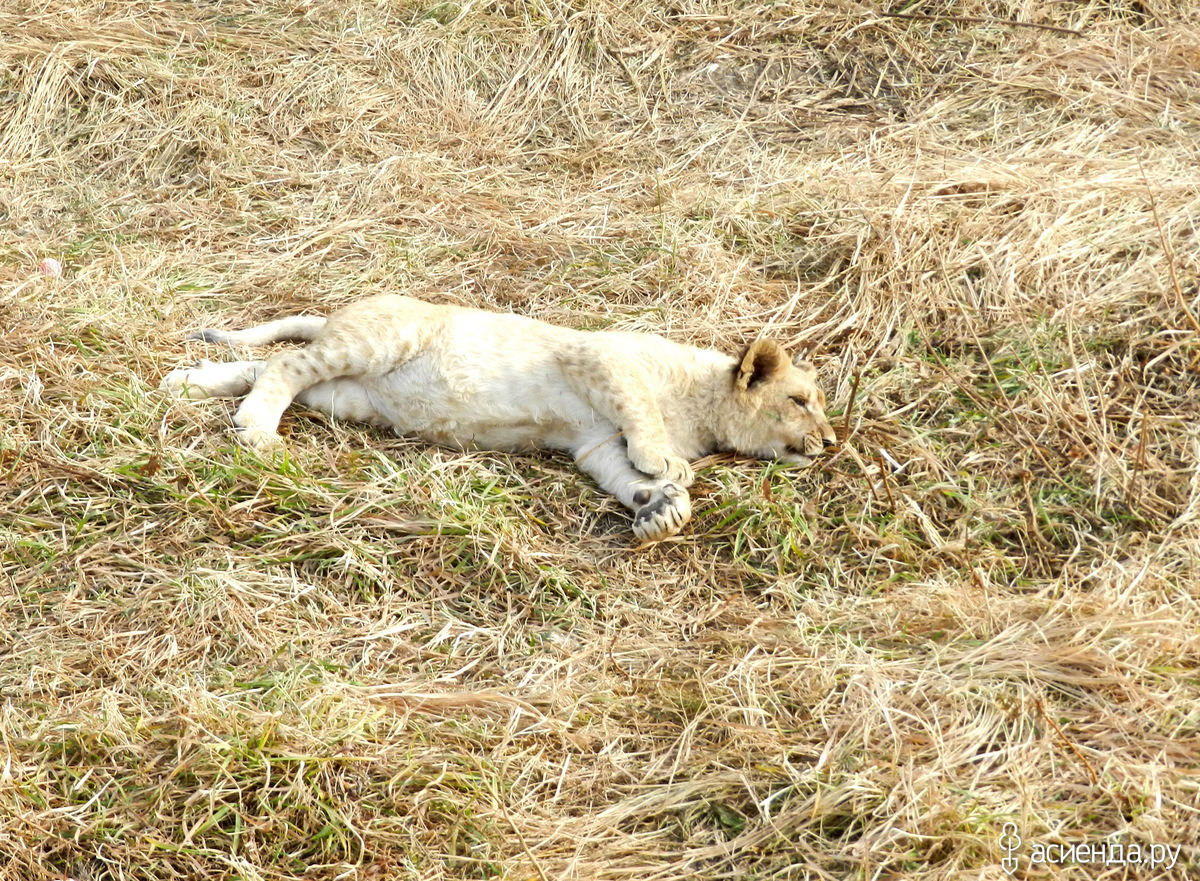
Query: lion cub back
(464, 377)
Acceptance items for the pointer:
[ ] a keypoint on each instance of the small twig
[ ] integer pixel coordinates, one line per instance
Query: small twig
(850, 406)
(1139, 465)
(987, 600)
(1168, 253)
(883, 477)
(870, 483)
(966, 19)
(598, 445)
(1031, 510)
(537, 866)
(1079, 755)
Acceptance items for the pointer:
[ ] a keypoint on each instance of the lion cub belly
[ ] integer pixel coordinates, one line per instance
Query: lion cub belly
(510, 409)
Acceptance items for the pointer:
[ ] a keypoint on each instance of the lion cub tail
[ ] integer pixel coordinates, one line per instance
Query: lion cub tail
(298, 328)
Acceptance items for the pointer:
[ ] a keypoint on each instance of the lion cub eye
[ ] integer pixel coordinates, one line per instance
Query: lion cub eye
(802, 403)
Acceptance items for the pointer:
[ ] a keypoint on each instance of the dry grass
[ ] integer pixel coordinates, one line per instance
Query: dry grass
(379, 660)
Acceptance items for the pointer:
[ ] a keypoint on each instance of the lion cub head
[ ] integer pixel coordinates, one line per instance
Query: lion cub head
(774, 409)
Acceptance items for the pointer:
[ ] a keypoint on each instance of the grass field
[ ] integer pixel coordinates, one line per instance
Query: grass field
(377, 660)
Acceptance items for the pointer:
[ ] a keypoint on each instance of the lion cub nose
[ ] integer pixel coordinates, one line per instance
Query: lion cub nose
(828, 442)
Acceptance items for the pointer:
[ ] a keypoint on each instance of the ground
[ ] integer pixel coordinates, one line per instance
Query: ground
(977, 621)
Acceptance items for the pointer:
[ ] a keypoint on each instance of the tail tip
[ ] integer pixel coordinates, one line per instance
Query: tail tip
(207, 336)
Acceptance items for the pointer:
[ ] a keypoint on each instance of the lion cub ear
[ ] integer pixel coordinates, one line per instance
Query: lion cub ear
(761, 361)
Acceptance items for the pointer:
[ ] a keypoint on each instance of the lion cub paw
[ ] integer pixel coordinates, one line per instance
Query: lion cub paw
(258, 439)
(664, 465)
(667, 510)
(185, 382)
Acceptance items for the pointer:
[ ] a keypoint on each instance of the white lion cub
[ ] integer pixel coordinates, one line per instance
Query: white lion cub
(631, 408)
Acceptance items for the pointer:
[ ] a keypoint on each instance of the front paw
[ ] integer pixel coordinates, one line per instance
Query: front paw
(258, 439)
(663, 465)
(668, 509)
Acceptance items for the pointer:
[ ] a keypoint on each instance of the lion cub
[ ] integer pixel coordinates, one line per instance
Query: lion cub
(631, 408)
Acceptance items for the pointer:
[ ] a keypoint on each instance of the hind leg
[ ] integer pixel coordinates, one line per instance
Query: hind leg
(286, 376)
(343, 399)
(209, 379)
(363, 341)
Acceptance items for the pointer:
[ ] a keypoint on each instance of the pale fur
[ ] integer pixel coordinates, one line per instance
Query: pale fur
(632, 408)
